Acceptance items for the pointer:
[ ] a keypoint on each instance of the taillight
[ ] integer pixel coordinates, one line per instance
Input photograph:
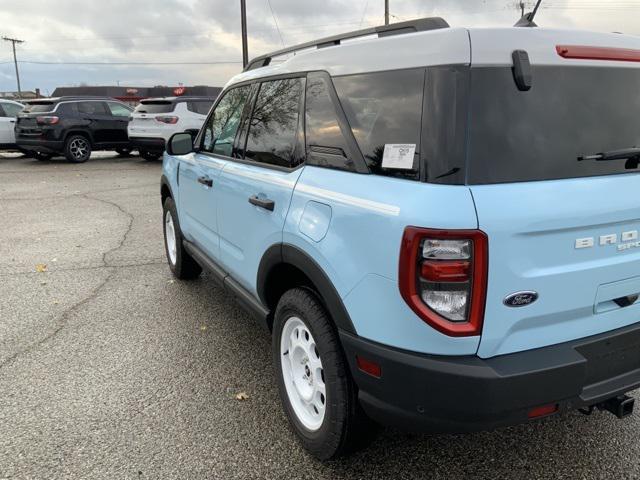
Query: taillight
(167, 119)
(443, 278)
(50, 120)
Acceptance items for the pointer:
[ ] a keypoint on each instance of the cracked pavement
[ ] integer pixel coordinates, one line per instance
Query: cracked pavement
(110, 369)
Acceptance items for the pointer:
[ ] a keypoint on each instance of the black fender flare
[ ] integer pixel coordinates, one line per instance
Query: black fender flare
(164, 183)
(80, 131)
(294, 256)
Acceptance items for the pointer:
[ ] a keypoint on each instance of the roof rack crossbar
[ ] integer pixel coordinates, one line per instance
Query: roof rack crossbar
(411, 26)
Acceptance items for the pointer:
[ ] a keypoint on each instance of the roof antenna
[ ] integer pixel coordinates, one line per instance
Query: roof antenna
(527, 19)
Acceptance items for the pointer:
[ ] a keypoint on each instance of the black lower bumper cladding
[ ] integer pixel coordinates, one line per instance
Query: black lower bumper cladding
(460, 394)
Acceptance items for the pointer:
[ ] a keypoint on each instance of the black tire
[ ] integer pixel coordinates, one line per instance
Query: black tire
(40, 156)
(149, 155)
(184, 267)
(77, 149)
(344, 427)
(123, 152)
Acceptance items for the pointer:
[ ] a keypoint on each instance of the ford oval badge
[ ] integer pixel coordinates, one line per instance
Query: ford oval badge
(520, 299)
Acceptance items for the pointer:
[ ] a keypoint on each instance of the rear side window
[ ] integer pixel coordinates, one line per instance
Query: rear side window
(39, 107)
(92, 108)
(385, 109)
(326, 145)
(11, 109)
(200, 106)
(222, 125)
(155, 106)
(275, 121)
(118, 110)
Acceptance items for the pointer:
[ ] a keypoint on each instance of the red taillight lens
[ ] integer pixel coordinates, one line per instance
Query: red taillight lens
(49, 120)
(443, 278)
(168, 119)
(580, 52)
(445, 270)
(543, 411)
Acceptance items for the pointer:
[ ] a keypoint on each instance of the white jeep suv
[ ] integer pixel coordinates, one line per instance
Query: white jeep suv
(155, 119)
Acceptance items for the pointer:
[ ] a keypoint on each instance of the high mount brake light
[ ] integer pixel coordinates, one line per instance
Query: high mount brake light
(47, 120)
(580, 52)
(443, 278)
(167, 119)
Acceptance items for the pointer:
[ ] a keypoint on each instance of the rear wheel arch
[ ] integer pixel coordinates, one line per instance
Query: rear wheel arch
(84, 133)
(285, 266)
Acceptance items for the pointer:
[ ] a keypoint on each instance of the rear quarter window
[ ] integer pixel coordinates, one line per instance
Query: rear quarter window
(201, 107)
(384, 108)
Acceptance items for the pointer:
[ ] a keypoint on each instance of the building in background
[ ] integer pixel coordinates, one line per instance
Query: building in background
(133, 95)
(26, 95)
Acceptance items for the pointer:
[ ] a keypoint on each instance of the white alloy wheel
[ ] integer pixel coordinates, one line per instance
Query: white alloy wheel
(170, 235)
(303, 374)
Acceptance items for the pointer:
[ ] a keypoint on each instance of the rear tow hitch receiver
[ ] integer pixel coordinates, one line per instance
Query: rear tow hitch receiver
(621, 406)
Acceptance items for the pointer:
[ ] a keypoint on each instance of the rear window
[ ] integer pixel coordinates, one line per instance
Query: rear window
(155, 106)
(539, 135)
(200, 106)
(38, 107)
(384, 111)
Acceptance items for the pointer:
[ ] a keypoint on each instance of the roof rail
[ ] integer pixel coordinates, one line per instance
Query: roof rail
(411, 26)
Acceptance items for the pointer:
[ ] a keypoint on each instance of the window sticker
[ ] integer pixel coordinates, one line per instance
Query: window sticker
(399, 155)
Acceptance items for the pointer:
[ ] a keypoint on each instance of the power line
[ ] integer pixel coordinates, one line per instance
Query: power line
(276, 22)
(37, 62)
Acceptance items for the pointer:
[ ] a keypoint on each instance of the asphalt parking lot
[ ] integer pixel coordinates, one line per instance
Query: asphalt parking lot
(110, 369)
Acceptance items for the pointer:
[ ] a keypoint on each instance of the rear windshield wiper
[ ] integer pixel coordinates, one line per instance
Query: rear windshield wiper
(624, 154)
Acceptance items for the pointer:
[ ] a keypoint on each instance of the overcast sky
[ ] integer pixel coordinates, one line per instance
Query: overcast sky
(209, 31)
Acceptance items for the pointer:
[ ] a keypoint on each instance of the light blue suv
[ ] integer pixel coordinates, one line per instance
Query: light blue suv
(438, 225)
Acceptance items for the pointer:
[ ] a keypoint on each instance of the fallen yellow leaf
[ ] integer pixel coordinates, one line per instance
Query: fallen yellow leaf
(41, 267)
(242, 396)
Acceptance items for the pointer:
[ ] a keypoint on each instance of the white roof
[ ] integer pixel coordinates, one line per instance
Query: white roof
(448, 46)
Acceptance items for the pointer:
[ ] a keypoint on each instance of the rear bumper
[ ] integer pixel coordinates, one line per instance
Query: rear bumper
(40, 145)
(155, 144)
(461, 394)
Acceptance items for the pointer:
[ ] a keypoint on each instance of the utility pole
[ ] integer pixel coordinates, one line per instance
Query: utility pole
(386, 12)
(245, 48)
(15, 60)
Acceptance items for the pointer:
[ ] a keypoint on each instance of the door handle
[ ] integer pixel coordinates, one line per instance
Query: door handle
(262, 203)
(205, 181)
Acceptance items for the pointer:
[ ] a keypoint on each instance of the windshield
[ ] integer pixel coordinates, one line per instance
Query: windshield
(540, 135)
(157, 106)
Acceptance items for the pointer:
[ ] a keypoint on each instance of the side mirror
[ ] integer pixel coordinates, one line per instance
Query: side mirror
(180, 144)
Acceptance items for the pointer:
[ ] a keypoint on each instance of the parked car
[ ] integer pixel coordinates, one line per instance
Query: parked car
(156, 119)
(73, 126)
(8, 112)
(437, 241)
